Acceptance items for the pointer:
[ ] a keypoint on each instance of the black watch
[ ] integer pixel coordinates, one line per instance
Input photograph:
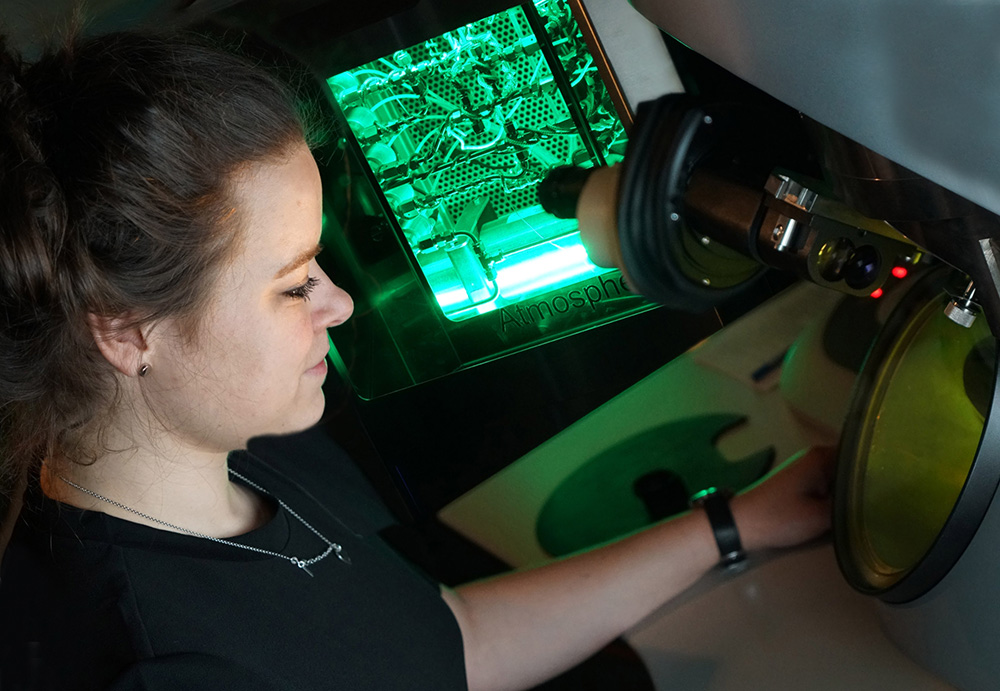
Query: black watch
(715, 501)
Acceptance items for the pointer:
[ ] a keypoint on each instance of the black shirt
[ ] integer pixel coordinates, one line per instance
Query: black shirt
(89, 601)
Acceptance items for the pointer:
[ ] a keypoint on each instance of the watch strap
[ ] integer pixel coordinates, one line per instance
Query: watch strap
(727, 536)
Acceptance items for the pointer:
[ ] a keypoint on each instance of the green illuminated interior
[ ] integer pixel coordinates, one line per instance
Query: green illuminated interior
(923, 427)
(459, 130)
(599, 501)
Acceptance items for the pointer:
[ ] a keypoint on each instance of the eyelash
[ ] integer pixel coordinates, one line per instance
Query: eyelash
(302, 292)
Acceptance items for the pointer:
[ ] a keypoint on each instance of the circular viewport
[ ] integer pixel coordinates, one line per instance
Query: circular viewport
(910, 446)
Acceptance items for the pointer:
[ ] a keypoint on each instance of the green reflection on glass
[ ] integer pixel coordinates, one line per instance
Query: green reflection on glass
(459, 130)
(922, 435)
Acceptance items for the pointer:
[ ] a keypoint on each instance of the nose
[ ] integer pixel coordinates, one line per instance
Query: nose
(333, 305)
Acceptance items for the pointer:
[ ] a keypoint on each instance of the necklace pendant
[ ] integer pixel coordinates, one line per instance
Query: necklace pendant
(295, 560)
(302, 565)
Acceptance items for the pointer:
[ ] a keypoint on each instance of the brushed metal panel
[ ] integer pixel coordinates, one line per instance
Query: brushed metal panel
(917, 81)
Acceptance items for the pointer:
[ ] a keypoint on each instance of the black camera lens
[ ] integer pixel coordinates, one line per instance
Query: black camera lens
(862, 267)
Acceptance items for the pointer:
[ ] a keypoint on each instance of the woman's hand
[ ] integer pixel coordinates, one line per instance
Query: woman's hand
(596, 212)
(526, 626)
(790, 506)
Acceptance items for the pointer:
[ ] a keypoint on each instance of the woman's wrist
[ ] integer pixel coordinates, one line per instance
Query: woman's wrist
(752, 535)
(716, 505)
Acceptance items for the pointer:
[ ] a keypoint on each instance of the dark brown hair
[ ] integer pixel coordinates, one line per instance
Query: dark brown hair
(116, 155)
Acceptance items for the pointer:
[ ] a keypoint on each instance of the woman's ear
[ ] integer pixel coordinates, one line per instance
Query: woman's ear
(125, 347)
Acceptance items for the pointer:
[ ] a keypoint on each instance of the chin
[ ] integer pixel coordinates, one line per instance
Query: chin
(298, 416)
(307, 415)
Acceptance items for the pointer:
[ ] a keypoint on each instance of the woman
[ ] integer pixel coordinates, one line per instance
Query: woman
(162, 305)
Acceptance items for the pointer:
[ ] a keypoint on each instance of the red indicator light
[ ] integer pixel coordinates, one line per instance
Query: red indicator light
(900, 271)
(877, 293)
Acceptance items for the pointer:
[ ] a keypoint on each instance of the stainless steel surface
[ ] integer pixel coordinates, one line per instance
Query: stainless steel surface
(917, 81)
(953, 631)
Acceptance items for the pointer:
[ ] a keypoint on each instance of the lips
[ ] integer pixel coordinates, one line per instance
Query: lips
(319, 366)
(318, 369)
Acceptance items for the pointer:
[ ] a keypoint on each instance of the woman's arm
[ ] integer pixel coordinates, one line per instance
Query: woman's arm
(527, 626)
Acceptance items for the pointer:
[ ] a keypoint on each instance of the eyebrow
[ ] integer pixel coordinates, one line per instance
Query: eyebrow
(300, 259)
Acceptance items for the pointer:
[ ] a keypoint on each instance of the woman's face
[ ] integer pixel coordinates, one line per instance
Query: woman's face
(258, 362)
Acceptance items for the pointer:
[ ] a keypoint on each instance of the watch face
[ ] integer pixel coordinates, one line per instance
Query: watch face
(911, 439)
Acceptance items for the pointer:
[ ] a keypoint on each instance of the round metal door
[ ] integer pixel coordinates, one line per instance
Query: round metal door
(918, 464)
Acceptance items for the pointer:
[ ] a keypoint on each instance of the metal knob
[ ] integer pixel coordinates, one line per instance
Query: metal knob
(962, 310)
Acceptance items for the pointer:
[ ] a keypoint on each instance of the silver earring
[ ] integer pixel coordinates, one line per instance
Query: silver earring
(143, 370)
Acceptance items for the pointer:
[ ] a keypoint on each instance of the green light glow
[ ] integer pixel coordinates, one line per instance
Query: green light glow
(458, 132)
(552, 264)
(525, 273)
(450, 299)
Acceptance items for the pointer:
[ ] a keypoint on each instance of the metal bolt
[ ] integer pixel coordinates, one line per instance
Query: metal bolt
(674, 216)
(706, 282)
(705, 240)
(707, 120)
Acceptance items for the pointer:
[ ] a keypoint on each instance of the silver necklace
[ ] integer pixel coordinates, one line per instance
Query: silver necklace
(302, 564)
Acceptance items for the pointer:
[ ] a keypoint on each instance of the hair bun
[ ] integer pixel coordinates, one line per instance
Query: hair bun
(15, 106)
(34, 209)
